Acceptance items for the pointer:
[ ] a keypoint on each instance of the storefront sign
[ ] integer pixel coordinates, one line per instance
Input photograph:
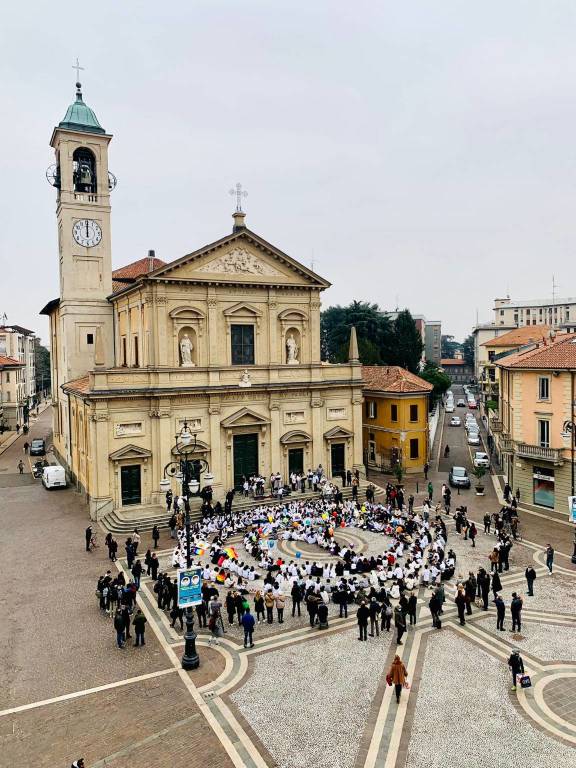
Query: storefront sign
(572, 509)
(189, 587)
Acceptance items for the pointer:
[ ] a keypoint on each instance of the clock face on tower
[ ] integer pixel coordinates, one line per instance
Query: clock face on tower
(87, 232)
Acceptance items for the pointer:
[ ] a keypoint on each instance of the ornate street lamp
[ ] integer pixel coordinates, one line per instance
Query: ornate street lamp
(187, 470)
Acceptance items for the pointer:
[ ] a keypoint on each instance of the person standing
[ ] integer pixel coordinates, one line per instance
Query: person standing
(435, 606)
(156, 536)
(549, 558)
(426, 470)
(259, 607)
(483, 582)
(398, 675)
(88, 537)
(500, 613)
(460, 601)
(177, 614)
(269, 603)
(472, 533)
(280, 602)
(374, 608)
(26, 446)
(399, 623)
(496, 583)
(248, 622)
(119, 627)
(516, 664)
(516, 611)
(412, 606)
(137, 573)
(139, 623)
(362, 615)
(172, 526)
(169, 496)
(530, 574)
(430, 490)
(312, 601)
(296, 594)
(487, 523)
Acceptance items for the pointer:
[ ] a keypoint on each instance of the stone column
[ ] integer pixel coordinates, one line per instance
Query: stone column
(163, 345)
(216, 468)
(317, 433)
(273, 329)
(214, 343)
(314, 329)
(275, 447)
(357, 451)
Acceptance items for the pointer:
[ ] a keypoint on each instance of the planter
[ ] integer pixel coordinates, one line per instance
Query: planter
(479, 490)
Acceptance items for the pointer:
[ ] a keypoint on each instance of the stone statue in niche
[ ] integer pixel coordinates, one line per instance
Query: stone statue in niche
(291, 350)
(186, 348)
(245, 379)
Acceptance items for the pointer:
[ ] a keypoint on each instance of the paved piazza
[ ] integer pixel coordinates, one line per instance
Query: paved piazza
(300, 697)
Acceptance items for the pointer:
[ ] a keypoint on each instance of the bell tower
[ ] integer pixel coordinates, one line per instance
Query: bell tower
(84, 184)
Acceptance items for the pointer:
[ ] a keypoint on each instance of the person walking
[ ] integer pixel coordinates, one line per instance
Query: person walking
(516, 664)
(248, 622)
(172, 526)
(26, 446)
(177, 614)
(530, 574)
(88, 537)
(516, 611)
(399, 623)
(156, 536)
(398, 676)
(119, 627)
(137, 573)
(139, 624)
(215, 620)
(21, 467)
(549, 558)
(496, 583)
(426, 470)
(500, 613)
(435, 606)
(374, 608)
(472, 533)
(430, 490)
(362, 615)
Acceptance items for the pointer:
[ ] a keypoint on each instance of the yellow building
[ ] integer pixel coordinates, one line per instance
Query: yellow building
(535, 432)
(395, 423)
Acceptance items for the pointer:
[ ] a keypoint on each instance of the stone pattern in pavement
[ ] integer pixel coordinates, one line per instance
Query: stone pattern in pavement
(466, 716)
(560, 696)
(556, 593)
(547, 642)
(309, 704)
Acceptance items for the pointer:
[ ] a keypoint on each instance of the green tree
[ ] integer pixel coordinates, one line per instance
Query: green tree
(407, 346)
(439, 380)
(373, 329)
(449, 346)
(42, 364)
(468, 350)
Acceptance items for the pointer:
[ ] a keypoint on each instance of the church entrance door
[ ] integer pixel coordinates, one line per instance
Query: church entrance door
(295, 460)
(337, 459)
(245, 457)
(130, 485)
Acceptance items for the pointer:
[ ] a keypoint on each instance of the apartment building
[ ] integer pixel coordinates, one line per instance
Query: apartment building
(534, 312)
(18, 344)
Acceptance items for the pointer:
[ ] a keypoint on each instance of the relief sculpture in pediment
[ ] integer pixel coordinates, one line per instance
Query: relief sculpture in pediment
(239, 262)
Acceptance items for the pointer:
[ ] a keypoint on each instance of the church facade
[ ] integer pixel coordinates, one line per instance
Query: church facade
(226, 338)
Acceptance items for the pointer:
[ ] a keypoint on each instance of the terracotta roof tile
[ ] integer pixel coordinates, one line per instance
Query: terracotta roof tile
(137, 268)
(558, 353)
(81, 386)
(8, 362)
(392, 378)
(452, 361)
(527, 334)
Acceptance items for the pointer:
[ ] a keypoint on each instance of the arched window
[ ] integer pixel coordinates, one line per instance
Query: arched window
(84, 169)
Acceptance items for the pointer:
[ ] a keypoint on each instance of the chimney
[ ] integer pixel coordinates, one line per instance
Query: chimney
(151, 257)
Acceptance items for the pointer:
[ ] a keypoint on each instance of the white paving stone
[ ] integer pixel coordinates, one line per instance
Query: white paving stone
(464, 716)
(309, 702)
(556, 593)
(546, 642)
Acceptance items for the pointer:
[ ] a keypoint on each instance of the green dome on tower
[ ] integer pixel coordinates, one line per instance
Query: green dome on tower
(79, 116)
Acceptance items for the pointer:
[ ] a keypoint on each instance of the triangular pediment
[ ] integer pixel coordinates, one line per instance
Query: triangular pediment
(130, 452)
(245, 417)
(338, 432)
(242, 257)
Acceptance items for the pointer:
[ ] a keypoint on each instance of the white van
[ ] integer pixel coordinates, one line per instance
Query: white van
(54, 476)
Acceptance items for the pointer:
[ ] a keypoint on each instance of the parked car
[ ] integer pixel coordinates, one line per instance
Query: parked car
(461, 403)
(481, 459)
(472, 404)
(54, 476)
(458, 478)
(455, 421)
(450, 408)
(37, 447)
(473, 438)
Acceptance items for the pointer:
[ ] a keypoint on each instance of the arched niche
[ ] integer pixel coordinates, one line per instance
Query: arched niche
(187, 347)
(293, 323)
(188, 321)
(84, 171)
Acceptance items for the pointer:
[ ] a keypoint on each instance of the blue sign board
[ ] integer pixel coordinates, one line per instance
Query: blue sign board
(189, 587)
(572, 508)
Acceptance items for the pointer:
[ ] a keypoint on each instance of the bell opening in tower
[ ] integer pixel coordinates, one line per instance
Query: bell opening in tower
(84, 171)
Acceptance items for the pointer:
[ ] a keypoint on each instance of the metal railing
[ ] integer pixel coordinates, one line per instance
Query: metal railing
(541, 452)
(506, 445)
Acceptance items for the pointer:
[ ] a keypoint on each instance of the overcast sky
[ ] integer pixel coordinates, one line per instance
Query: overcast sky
(420, 153)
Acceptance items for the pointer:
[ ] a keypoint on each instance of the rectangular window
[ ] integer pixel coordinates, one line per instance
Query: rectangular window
(413, 413)
(394, 413)
(242, 344)
(124, 352)
(543, 433)
(414, 443)
(543, 388)
(491, 356)
(371, 450)
(136, 353)
(8, 382)
(372, 409)
(89, 338)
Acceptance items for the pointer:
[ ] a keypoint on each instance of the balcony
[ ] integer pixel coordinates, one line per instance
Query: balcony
(553, 455)
(506, 445)
(496, 425)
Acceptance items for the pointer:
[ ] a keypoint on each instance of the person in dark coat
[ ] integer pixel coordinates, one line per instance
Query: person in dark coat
(154, 565)
(500, 613)
(435, 605)
(516, 611)
(530, 574)
(247, 621)
(374, 608)
(399, 623)
(177, 614)
(296, 594)
(130, 554)
(88, 537)
(362, 615)
(126, 620)
(137, 573)
(483, 582)
(119, 627)
(460, 601)
(139, 623)
(412, 606)
(156, 536)
(496, 583)
(516, 665)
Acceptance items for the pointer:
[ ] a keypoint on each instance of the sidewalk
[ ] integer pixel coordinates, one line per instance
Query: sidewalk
(9, 438)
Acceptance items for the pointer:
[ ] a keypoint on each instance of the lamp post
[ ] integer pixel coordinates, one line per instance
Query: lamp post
(183, 469)
(569, 430)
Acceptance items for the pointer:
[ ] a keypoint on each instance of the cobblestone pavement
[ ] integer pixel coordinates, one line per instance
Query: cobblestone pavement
(299, 697)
